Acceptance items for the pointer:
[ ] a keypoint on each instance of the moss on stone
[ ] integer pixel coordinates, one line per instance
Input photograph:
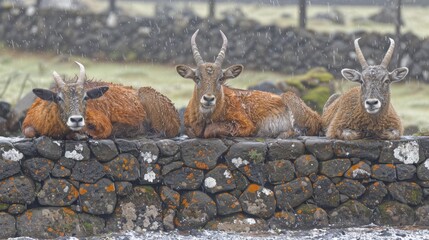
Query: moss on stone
(255, 156)
(316, 73)
(4, 206)
(317, 97)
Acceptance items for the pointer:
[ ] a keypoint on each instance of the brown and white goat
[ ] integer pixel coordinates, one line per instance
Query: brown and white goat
(365, 111)
(79, 108)
(216, 110)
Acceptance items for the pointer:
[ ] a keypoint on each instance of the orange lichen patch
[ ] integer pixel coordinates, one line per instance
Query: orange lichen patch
(201, 153)
(73, 193)
(375, 167)
(308, 157)
(201, 165)
(82, 191)
(177, 222)
(29, 215)
(68, 211)
(299, 211)
(376, 184)
(190, 176)
(110, 188)
(185, 203)
(389, 165)
(176, 197)
(253, 188)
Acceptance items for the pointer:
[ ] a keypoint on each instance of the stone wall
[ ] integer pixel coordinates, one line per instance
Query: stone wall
(166, 39)
(54, 188)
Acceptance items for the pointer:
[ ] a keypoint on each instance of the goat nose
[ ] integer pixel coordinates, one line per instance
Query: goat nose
(76, 119)
(209, 98)
(372, 102)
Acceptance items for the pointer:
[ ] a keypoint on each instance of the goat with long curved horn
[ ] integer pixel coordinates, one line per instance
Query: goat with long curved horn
(389, 54)
(198, 59)
(82, 74)
(221, 56)
(359, 54)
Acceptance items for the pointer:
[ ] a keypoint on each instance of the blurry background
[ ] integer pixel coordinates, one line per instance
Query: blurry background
(285, 45)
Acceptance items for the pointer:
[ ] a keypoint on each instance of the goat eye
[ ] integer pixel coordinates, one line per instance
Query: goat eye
(85, 98)
(58, 99)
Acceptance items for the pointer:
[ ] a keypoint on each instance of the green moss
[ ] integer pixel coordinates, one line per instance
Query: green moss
(4, 206)
(317, 97)
(255, 156)
(316, 73)
(88, 226)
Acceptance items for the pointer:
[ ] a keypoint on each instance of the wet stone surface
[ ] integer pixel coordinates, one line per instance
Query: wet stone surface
(78, 151)
(311, 216)
(49, 148)
(104, 150)
(258, 201)
(394, 214)
(306, 165)
(17, 190)
(325, 193)
(292, 194)
(195, 210)
(406, 192)
(219, 179)
(124, 167)
(184, 179)
(360, 170)
(38, 168)
(335, 167)
(98, 198)
(349, 214)
(57, 192)
(280, 171)
(8, 168)
(321, 148)
(374, 194)
(285, 149)
(351, 188)
(227, 204)
(201, 154)
(88, 171)
(384, 172)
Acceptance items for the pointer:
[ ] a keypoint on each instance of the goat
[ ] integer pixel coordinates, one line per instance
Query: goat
(216, 110)
(79, 108)
(365, 111)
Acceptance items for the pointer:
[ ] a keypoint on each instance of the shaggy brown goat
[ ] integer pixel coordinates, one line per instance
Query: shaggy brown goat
(365, 111)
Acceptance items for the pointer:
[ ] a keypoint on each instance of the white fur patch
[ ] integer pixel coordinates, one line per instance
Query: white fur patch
(274, 125)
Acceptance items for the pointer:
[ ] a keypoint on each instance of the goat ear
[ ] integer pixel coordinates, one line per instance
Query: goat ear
(45, 94)
(351, 75)
(96, 92)
(185, 71)
(232, 72)
(398, 74)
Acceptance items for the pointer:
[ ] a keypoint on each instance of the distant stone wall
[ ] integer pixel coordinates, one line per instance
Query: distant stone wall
(54, 188)
(166, 39)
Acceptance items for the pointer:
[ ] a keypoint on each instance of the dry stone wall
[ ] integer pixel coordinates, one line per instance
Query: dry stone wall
(51, 188)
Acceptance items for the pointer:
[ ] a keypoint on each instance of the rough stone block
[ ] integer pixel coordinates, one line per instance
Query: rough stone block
(184, 179)
(406, 192)
(202, 153)
(17, 190)
(8, 168)
(280, 171)
(227, 204)
(423, 171)
(422, 215)
(245, 153)
(78, 151)
(384, 172)
(394, 214)
(49, 148)
(292, 194)
(195, 210)
(88, 171)
(351, 188)
(311, 216)
(99, 198)
(123, 188)
(258, 201)
(335, 167)
(360, 170)
(363, 149)
(238, 223)
(405, 171)
(374, 194)
(282, 220)
(60, 171)
(104, 149)
(167, 147)
(219, 179)
(38, 168)
(350, 214)
(306, 165)
(321, 148)
(150, 173)
(171, 167)
(325, 193)
(7, 226)
(124, 167)
(169, 197)
(57, 192)
(401, 151)
(285, 149)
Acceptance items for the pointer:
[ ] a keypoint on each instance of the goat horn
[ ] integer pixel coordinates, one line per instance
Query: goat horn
(58, 80)
(221, 55)
(389, 54)
(359, 54)
(197, 56)
(81, 78)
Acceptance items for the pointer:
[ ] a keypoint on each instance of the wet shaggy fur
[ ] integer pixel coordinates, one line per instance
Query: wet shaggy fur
(121, 112)
(345, 118)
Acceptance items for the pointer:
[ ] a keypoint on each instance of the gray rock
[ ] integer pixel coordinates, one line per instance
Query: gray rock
(364, 149)
(17, 190)
(335, 167)
(127, 146)
(57, 192)
(171, 167)
(149, 152)
(195, 210)
(325, 194)
(38, 168)
(406, 192)
(150, 173)
(401, 151)
(227, 204)
(123, 188)
(8, 168)
(167, 147)
(285, 149)
(405, 171)
(422, 215)
(138, 211)
(360, 170)
(219, 179)
(374, 194)
(394, 214)
(258, 201)
(168, 160)
(321, 148)
(280, 171)
(202, 154)
(78, 151)
(351, 188)
(306, 165)
(311, 216)
(238, 223)
(292, 194)
(184, 179)
(124, 167)
(60, 171)
(423, 171)
(98, 198)
(245, 153)
(7, 226)
(88, 171)
(255, 172)
(168, 216)
(68, 163)
(169, 197)
(28, 148)
(104, 149)
(241, 180)
(384, 172)
(282, 220)
(350, 214)
(49, 148)
(16, 208)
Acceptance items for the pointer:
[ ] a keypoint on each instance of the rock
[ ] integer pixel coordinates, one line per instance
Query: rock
(238, 223)
(68, 163)
(321, 148)
(168, 216)
(7, 226)
(8, 168)
(167, 147)
(138, 211)
(16, 209)
(171, 167)
(351, 188)
(282, 220)
(292, 194)
(127, 146)
(256, 173)
(170, 197)
(124, 167)
(184, 179)
(423, 171)
(335, 167)
(422, 215)
(150, 173)
(168, 160)
(306, 165)
(78, 151)
(406, 192)
(350, 214)
(202, 153)
(61, 222)
(364, 149)
(219, 179)
(285, 149)
(280, 171)
(57, 192)
(360, 170)
(17, 190)
(9, 153)
(227, 204)
(401, 151)
(123, 188)
(258, 201)
(405, 171)
(98, 198)
(38, 168)
(241, 181)
(88, 171)
(49, 148)
(245, 153)
(4, 206)
(104, 149)
(195, 210)
(4, 109)
(311, 216)
(384, 172)
(394, 214)
(149, 152)
(27, 147)
(60, 171)
(374, 194)
(325, 193)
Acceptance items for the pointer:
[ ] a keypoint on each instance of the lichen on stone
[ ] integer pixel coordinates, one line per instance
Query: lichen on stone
(407, 153)
(210, 182)
(148, 157)
(12, 154)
